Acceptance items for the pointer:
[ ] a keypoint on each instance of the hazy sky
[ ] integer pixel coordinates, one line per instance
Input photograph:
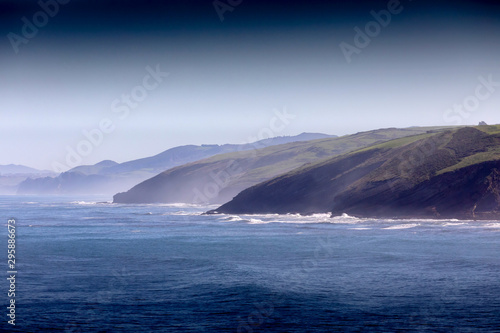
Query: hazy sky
(228, 78)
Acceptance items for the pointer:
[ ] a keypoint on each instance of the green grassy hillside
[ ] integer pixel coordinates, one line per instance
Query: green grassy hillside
(221, 177)
(439, 175)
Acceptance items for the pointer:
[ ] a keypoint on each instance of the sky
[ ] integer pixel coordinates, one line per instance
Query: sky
(87, 80)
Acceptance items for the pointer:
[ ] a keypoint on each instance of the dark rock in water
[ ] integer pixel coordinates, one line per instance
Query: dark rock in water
(455, 174)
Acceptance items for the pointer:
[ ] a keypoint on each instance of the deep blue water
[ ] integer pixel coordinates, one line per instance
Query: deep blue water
(97, 267)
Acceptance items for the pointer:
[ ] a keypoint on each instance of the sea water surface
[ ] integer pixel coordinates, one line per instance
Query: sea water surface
(90, 266)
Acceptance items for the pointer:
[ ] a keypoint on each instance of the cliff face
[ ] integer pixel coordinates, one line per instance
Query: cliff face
(455, 174)
(220, 178)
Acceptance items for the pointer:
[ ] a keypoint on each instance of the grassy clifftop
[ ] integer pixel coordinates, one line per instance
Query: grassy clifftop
(452, 174)
(221, 177)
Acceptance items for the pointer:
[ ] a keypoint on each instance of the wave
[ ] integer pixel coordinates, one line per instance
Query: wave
(182, 213)
(289, 218)
(84, 202)
(345, 216)
(178, 205)
(402, 226)
(257, 221)
(313, 218)
(452, 224)
(183, 205)
(492, 225)
(233, 218)
(420, 220)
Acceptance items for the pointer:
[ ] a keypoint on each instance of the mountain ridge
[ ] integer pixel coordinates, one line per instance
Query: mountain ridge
(219, 178)
(109, 177)
(424, 177)
(10, 169)
(11, 175)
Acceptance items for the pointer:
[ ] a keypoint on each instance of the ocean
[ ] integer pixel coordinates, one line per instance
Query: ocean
(86, 265)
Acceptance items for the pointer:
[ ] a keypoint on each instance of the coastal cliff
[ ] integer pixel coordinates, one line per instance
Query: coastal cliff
(454, 174)
(219, 178)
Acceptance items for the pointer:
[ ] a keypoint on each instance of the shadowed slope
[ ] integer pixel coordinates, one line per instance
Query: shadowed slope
(446, 175)
(219, 178)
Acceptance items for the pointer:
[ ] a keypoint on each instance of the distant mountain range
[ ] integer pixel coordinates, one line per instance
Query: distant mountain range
(417, 172)
(219, 178)
(451, 174)
(14, 169)
(12, 175)
(109, 177)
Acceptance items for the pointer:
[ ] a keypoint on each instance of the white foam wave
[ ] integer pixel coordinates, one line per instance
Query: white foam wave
(233, 218)
(402, 226)
(420, 220)
(451, 224)
(291, 218)
(367, 223)
(83, 202)
(492, 225)
(256, 221)
(320, 216)
(346, 219)
(347, 216)
(183, 205)
(182, 213)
